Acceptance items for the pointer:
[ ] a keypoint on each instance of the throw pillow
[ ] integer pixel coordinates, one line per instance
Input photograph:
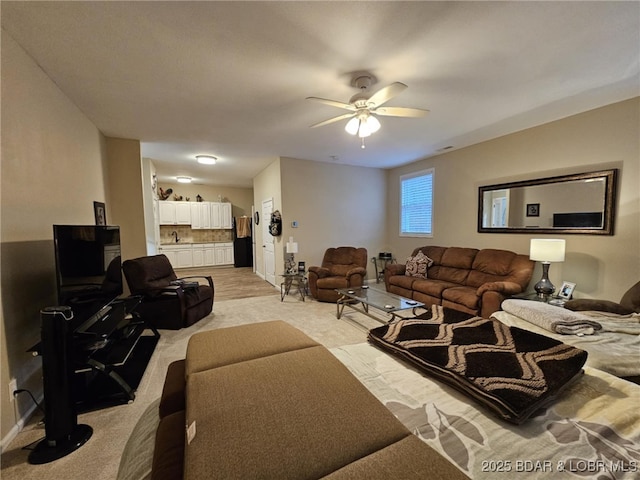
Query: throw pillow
(417, 266)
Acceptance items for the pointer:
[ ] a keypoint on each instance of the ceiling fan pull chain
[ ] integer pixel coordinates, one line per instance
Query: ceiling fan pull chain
(362, 146)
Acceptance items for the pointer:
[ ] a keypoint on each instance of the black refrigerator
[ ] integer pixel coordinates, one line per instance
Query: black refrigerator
(242, 242)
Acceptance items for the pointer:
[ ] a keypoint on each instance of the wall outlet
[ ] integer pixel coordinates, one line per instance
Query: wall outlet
(13, 386)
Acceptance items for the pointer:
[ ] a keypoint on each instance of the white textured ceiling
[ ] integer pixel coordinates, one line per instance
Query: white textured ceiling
(231, 78)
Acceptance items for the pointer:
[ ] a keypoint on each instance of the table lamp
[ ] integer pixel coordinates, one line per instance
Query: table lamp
(291, 249)
(546, 251)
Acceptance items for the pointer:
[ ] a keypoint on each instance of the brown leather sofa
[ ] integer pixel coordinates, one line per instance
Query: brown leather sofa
(464, 279)
(168, 302)
(342, 267)
(266, 401)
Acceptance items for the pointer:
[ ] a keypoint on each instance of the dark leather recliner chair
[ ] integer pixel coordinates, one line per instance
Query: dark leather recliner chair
(168, 302)
(342, 267)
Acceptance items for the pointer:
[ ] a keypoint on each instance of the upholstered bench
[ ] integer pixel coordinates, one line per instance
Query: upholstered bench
(266, 401)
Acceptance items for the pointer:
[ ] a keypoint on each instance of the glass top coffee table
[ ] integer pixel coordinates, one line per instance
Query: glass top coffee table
(386, 302)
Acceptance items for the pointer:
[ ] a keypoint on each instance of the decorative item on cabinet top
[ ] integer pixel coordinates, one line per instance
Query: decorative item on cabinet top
(200, 215)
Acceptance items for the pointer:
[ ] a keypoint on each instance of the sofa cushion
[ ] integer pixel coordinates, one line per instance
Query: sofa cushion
(418, 265)
(332, 283)
(491, 265)
(432, 287)
(172, 399)
(225, 346)
(455, 265)
(407, 459)
(293, 415)
(168, 455)
(462, 296)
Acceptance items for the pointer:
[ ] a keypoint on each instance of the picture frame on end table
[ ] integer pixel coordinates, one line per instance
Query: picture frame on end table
(566, 290)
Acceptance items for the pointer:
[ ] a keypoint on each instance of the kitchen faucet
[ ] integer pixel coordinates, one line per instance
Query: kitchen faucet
(175, 234)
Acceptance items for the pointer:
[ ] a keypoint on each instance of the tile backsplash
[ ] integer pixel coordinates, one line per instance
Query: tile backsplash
(188, 235)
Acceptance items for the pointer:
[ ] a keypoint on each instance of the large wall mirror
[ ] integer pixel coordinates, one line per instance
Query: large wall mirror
(581, 203)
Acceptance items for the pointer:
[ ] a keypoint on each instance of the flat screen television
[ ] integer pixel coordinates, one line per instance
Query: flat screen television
(88, 268)
(578, 220)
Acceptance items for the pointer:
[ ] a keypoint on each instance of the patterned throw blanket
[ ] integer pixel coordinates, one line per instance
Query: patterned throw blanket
(511, 371)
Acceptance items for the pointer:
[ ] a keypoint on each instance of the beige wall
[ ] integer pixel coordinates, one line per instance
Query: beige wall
(266, 186)
(53, 168)
(601, 266)
(125, 205)
(334, 205)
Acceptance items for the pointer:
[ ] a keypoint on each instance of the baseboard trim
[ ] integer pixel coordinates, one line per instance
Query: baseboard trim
(17, 428)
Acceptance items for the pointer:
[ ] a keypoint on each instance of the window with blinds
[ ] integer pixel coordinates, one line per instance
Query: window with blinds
(416, 204)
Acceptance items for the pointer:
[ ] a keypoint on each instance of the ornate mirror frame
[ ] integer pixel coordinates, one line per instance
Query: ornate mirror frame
(537, 210)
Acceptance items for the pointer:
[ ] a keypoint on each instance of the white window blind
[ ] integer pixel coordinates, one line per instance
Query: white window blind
(416, 204)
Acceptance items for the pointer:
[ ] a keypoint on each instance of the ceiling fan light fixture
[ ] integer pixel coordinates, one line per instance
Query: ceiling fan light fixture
(206, 159)
(362, 125)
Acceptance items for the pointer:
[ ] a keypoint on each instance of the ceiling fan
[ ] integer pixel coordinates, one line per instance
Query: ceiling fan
(364, 107)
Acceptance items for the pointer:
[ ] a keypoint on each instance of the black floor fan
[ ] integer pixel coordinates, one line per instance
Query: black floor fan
(63, 434)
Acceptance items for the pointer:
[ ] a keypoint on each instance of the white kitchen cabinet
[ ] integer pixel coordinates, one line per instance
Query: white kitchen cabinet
(184, 258)
(224, 253)
(221, 215)
(180, 256)
(170, 254)
(205, 214)
(197, 251)
(200, 215)
(167, 213)
(215, 215)
(175, 213)
(195, 215)
(209, 254)
(183, 213)
(226, 220)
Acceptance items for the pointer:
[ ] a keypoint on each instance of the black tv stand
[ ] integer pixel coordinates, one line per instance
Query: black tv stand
(97, 364)
(112, 356)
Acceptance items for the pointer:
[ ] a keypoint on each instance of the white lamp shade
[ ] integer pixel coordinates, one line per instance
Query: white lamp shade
(373, 123)
(547, 250)
(352, 126)
(292, 247)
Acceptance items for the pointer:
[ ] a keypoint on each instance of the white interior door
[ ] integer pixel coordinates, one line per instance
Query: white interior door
(268, 247)
(499, 212)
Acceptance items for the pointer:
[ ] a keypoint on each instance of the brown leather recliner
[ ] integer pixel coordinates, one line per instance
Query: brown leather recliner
(168, 302)
(342, 267)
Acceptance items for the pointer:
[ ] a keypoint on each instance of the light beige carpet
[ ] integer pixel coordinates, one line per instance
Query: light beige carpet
(99, 458)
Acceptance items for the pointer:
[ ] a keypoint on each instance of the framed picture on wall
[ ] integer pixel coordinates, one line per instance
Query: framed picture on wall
(533, 209)
(100, 212)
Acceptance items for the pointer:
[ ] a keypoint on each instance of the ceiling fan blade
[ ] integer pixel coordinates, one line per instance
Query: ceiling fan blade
(400, 112)
(333, 103)
(332, 120)
(385, 94)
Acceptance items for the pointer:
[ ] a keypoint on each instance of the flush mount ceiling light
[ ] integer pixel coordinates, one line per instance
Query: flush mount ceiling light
(183, 179)
(206, 159)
